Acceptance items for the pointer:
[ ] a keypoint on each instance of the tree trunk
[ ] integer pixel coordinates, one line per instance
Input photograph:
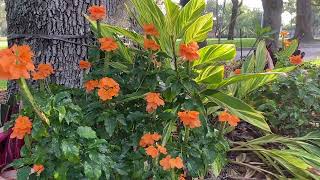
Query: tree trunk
(235, 9)
(57, 18)
(272, 18)
(304, 21)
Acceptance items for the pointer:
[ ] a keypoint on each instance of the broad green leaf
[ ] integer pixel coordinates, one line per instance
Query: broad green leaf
(172, 12)
(198, 31)
(189, 13)
(261, 57)
(213, 53)
(119, 66)
(243, 77)
(211, 75)
(238, 108)
(70, 150)
(62, 112)
(86, 132)
(23, 173)
(287, 52)
(294, 160)
(91, 170)
(218, 164)
(110, 125)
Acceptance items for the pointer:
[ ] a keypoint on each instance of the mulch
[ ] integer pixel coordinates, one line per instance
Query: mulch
(3, 97)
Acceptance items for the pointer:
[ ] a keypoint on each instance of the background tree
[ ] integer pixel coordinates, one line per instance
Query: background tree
(57, 31)
(236, 5)
(304, 20)
(272, 18)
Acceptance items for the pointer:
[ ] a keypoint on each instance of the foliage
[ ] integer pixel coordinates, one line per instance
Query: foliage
(291, 104)
(101, 134)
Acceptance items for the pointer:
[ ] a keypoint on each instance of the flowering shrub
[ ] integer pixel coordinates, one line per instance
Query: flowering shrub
(147, 112)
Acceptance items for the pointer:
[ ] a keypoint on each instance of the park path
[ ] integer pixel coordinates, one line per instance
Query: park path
(312, 51)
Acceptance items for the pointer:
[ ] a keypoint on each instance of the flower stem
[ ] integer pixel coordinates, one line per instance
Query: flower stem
(26, 92)
(222, 130)
(173, 175)
(175, 57)
(186, 135)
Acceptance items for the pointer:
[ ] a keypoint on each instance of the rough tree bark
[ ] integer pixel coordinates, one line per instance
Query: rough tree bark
(272, 18)
(57, 18)
(304, 20)
(235, 10)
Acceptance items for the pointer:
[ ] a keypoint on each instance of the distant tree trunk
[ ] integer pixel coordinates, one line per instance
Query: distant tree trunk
(272, 18)
(304, 20)
(57, 18)
(203, 43)
(233, 21)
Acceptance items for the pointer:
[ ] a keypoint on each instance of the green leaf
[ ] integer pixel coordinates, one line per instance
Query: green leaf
(189, 13)
(23, 173)
(172, 12)
(214, 53)
(86, 132)
(211, 75)
(287, 52)
(218, 164)
(110, 125)
(70, 151)
(198, 30)
(62, 112)
(261, 54)
(119, 66)
(238, 108)
(92, 170)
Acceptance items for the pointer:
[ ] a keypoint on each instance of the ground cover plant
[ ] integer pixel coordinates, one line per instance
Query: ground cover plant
(148, 111)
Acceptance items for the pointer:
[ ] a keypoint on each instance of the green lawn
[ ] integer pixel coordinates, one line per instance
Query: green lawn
(246, 42)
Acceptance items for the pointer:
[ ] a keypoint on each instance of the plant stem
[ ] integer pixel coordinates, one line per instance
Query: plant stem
(222, 129)
(174, 56)
(26, 92)
(173, 175)
(188, 68)
(99, 29)
(186, 134)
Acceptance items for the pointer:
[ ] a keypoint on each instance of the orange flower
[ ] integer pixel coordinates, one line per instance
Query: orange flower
(152, 151)
(22, 126)
(151, 44)
(287, 43)
(108, 44)
(296, 60)
(190, 118)
(97, 12)
(154, 100)
(16, 62)
(44, 71)
(38, 168)
(108, 88)
(231, 119)
(162, 149)
(149, 139)
(182, 177)
(189, 51)
(284, 33)
(91, 84)
(168, 163)
(237, 71)
(84, 64)
(150, 29)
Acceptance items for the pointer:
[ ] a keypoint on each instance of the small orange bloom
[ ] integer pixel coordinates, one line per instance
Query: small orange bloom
(84, 64)
(44, 71)
(287, 43)
(152, 151)
(91, 84)
(150, 29)
(231, 119)
(108, 44)
(189, 51)
(97, 12)
(22, 126)
(284, 33)
(162, 149)
(38, 168)
(151, 44)
(154, 100)
(182, 177)
(237, 71)
(168, 163)
(190, 118)
(16, 62)
(234, 120)
(149, 139)
(296, 60)
(109, 88)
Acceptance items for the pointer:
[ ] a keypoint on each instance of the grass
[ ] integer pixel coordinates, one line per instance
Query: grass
(3, 85)
(246, 42)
